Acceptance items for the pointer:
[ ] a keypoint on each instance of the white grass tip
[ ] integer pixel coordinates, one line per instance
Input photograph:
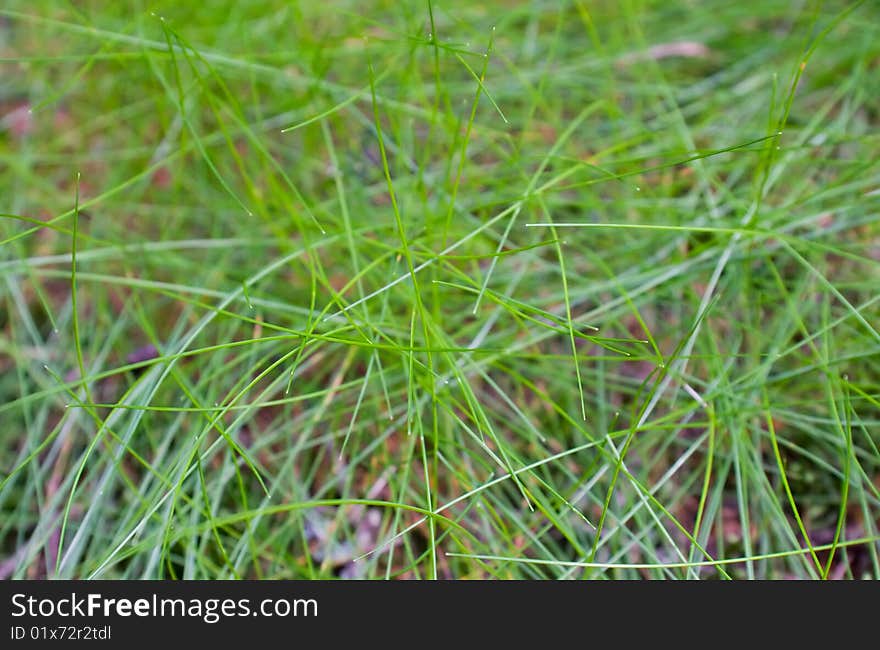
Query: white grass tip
(694, 394)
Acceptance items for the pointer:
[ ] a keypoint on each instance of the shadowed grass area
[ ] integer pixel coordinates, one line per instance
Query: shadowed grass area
(437, 290)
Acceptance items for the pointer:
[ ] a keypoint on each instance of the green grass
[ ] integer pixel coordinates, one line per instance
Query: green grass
(440, 290)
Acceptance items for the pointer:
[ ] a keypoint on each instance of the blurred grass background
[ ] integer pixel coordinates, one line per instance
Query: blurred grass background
(415, 290)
